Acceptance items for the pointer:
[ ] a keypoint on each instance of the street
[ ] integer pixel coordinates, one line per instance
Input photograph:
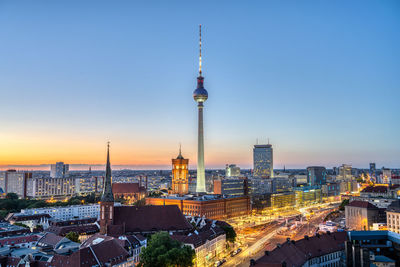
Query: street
(255, 234)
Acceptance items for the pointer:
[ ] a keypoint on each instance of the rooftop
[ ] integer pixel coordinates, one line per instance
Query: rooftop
(375, 189)
(149, 219)
(362, 204)
(296, 253)
(7, 229)
(126, 188)
(394, 207)
(207, 197)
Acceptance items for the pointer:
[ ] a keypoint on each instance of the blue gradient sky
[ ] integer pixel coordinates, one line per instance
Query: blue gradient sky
(321, 79)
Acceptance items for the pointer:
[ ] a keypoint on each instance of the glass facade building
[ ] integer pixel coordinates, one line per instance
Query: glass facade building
(263, 161)
(316, 175)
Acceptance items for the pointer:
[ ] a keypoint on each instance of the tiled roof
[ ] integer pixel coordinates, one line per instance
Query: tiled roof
(9, 261)
(375, 189)
(210, 230)
(127, 188)
(201, 238)
(150, 218)
(95, 239)
(71, 222)
(108, 251)
(80, 229)
(362, 204)
(19, 239)
(50, 239)
(394, 207)
(296, 253)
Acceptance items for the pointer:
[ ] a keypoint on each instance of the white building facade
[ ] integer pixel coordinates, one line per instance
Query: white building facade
(67, 212)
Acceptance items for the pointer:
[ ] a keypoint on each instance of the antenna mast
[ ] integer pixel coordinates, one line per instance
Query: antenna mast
(200, 49)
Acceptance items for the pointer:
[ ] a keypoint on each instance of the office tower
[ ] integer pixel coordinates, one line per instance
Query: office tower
(59, 170)
(235, 186)
(180, 173)
(386, 176)
(263, 163)
(372, 167)
(200, 95)
(232, 170)
(281, 184)
(316, 175)
(345, 172)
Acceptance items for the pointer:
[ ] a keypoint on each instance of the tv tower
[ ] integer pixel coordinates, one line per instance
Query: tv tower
(200, 95)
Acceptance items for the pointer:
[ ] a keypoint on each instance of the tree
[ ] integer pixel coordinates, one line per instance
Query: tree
(230, 233)
(74, 202)
(21, 224)
(73, 236)
(344, 203)
(163, 251)
(140, 203)
(155, 194)
(11, 196)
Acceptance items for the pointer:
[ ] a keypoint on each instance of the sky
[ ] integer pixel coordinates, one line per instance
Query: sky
(320, 79)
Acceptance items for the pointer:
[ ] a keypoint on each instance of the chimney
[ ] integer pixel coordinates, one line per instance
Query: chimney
(140, 181)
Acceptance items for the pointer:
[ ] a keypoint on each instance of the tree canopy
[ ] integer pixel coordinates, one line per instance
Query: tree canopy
(230, 233)
(163, 251)
(344, 203)
(11, 203)
(73, 236)
(11, 196)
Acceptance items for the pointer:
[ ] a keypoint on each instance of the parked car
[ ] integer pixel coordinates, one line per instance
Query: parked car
(219, 263)
(234, 253)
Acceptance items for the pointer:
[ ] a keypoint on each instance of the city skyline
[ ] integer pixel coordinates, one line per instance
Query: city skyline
(58, 87)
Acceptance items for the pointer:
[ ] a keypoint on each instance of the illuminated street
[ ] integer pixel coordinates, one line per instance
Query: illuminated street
(257, 233)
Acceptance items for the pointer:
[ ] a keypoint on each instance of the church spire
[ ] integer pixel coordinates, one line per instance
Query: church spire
(107, 190)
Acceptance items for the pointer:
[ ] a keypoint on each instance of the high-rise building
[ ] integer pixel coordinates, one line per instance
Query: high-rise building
(180, 175)
(13, 181)
(234, 186)
(263, 163)
(200, 95)
(345, 172)
(45, 188)
(372, 167)
(232, 170)
(386, 176)
(316, 175)
(87, 185)
(59, 170)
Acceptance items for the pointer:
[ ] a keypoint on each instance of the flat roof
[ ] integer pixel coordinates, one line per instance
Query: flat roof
(207, 197)
(374, 235)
